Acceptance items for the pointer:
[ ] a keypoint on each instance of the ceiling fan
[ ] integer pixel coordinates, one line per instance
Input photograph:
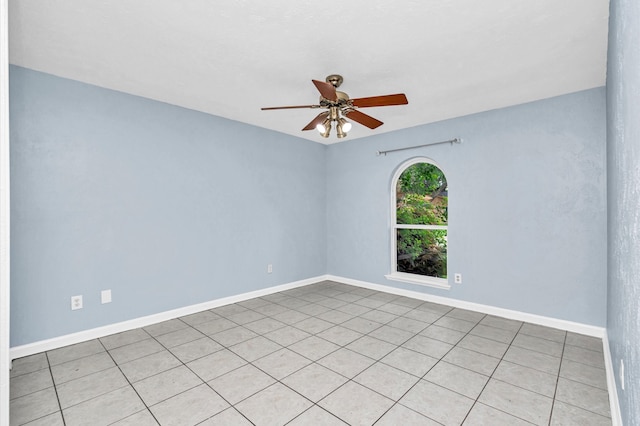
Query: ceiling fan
(339, 106)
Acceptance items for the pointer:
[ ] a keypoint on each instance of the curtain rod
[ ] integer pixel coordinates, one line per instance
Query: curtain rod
(451, 141)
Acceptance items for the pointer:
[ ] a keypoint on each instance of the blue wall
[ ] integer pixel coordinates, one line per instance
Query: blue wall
(527, 197)
(165, 206)
(623, 170)
(170, 207)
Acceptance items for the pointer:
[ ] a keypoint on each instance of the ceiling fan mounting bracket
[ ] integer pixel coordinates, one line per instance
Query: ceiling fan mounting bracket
(335, 79)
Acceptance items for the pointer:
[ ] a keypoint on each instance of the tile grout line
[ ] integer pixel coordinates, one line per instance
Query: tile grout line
(397, 402)
(129, 383)
(55, 388)
(312, 362)
(575, 381)
(468, 333)
(476, 401)
(557, 376)
(279, 381)
(204, 382)
(339, 347)
(418, 333)
(555, 391)
(415, 334)
(366, 334)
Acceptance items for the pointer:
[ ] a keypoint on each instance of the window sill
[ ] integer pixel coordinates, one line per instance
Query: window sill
(441, 283)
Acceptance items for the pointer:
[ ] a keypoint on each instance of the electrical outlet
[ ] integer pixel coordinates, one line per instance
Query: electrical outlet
(457, 278)
(622, 374)
(105, 296)
(269, 268)
(76, 302)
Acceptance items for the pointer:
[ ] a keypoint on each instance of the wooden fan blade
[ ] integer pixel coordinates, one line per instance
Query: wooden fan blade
(319, 119)
(364, 119)
(291, 107)
(386, 100)
(326, 90)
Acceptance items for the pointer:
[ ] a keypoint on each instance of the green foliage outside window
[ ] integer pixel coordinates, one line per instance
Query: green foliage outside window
(421, 199)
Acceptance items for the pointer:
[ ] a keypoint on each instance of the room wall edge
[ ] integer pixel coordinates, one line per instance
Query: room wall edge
(575, 327)
(119, 327)
(614, 403)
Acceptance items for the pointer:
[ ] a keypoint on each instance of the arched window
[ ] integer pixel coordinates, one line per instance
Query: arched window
(419, 225)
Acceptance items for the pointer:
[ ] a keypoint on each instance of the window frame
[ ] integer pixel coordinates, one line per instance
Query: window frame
(395, 275)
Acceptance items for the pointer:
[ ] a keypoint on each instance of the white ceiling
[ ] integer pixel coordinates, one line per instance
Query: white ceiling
(231, 57)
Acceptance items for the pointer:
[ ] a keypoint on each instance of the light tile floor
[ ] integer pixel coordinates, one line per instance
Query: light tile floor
(324, 354)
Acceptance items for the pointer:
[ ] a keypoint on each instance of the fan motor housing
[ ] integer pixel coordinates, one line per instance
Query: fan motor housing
(343, 98)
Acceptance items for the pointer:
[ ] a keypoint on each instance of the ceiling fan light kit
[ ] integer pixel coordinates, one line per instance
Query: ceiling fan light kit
(339, 106)
(342, 125)
(346, 126)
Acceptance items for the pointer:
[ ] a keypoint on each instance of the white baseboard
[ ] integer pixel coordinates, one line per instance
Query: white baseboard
(83, 336)
(575, 327)
(616, 415)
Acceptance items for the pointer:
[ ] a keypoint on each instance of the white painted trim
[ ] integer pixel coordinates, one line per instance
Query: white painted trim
(83, 336)
(69, 339)
(5, 175)
(427, 227)
(616, 415)
(422, 280)
(575, 327)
